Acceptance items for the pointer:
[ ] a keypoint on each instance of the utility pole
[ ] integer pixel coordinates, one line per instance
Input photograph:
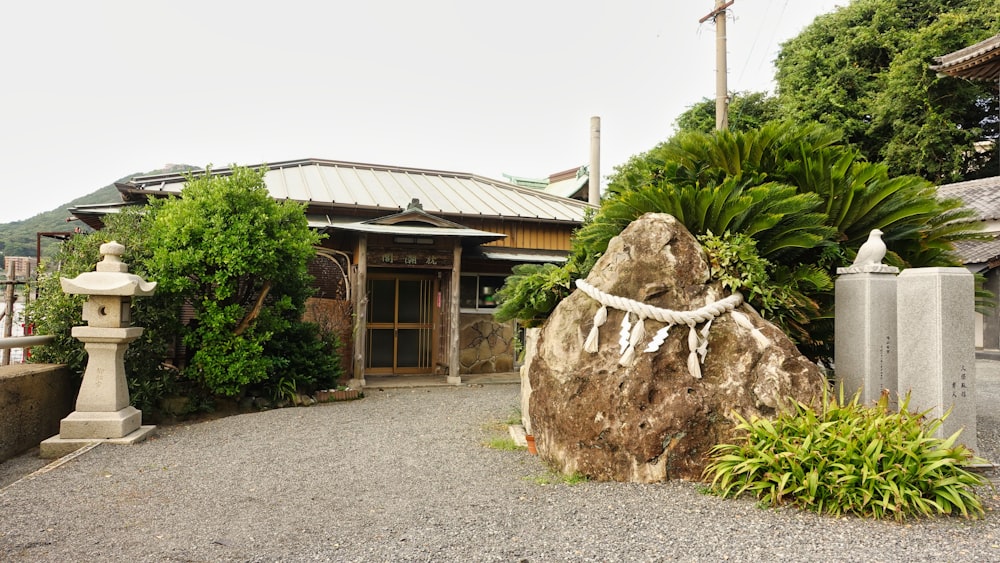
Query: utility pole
(594, 187)
(721, 67)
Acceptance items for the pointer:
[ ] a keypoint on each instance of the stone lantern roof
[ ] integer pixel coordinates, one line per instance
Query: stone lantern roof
(111, 277)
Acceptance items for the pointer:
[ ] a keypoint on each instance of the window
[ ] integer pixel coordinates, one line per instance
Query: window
(477, 292)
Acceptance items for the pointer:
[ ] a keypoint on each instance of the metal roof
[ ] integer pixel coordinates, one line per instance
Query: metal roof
(571, 187)
(336, 184)
(975, 62)
(572, 183)
(523, 255)
(323, 222)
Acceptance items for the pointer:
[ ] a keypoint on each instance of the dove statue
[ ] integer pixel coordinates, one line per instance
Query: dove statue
(872, 251)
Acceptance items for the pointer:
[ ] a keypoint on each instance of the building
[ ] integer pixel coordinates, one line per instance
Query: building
(975, 62)
(982, 256)
(19, 268)
(412, 260)
(573, 183)
(979, 62)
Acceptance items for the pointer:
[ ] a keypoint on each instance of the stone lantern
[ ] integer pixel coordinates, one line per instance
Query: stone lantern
(102, 410)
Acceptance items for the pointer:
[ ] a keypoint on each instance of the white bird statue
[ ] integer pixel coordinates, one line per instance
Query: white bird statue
(872, 251)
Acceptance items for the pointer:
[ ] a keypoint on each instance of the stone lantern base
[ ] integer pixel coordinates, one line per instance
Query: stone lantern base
(103, 413)
(57, 446)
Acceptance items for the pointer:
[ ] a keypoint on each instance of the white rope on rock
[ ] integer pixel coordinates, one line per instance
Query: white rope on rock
(630, 335)
(744, 321)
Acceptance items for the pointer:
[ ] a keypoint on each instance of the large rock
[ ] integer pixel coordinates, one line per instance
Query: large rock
(652, 420)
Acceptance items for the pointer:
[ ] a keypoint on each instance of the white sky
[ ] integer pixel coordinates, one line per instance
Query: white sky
(92, 91)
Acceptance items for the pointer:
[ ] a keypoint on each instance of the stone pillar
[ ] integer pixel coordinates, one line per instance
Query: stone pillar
(865, 331)
(937, 359)
(103, 412)
(530, 349)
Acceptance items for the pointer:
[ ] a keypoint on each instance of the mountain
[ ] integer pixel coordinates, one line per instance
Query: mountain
(19, 238)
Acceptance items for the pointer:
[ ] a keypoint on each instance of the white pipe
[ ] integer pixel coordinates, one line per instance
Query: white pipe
(25, 341)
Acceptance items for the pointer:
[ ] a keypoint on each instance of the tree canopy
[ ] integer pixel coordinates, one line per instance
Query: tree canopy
(747, 110)
(865, 68)
(239, 259)
(236, 261)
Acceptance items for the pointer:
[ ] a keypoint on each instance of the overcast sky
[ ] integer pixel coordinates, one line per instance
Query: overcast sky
(92, 91)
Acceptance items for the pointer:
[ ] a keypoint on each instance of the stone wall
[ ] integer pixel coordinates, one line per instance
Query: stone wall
(33, 399)
(486, 346)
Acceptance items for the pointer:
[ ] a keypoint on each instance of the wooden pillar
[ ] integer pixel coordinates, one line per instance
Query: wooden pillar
(8, 320)
(360, 293)
(454, 362)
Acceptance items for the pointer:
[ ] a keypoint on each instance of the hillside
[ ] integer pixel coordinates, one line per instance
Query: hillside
(18, 238)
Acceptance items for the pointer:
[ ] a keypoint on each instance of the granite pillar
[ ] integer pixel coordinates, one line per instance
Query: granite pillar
(865, 331)
(936, 335)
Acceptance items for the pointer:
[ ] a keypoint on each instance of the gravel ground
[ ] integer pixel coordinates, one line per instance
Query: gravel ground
(403, 475)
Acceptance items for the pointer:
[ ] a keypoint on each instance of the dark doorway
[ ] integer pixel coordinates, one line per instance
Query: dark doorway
(402, 324)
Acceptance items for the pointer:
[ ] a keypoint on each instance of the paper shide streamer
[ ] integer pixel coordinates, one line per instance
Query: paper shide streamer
(631, 334)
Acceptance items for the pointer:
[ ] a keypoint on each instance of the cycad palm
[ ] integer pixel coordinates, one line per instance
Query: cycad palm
(806, 199)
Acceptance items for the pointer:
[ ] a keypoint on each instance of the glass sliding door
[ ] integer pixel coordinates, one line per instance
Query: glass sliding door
(401, 324)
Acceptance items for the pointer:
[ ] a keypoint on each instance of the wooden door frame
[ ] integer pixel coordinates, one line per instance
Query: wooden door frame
(435, 323)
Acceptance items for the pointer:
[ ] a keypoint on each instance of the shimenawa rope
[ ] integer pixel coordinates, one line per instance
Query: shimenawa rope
(630, 335)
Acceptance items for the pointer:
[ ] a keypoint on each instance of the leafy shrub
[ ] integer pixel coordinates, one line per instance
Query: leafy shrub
(306, 358)
(805, 198)
(849, 459)
(238, 259)
(532, 291)
(56, 313)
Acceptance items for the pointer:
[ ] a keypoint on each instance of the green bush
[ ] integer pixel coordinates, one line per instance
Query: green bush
(532, 291)
(56, 313)
(305, 359)
(238, 259)
(849, 459)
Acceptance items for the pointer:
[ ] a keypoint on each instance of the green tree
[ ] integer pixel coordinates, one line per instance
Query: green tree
(236, 258)
(239, 260)
(747, 110)
(865, 68)
(56, 313)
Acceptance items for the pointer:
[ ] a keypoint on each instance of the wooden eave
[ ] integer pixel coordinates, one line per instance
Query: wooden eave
(975, 62)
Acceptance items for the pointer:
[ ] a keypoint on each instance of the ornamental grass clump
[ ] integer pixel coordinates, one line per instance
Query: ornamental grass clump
(849, 459)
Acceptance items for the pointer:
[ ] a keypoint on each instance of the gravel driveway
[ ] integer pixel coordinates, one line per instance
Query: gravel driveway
(403, 475)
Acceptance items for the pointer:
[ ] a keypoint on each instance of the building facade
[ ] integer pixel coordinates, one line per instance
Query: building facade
(980, 61)
(412, 259)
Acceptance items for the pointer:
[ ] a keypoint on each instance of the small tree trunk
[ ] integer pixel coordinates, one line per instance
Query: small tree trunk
(245, 323)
